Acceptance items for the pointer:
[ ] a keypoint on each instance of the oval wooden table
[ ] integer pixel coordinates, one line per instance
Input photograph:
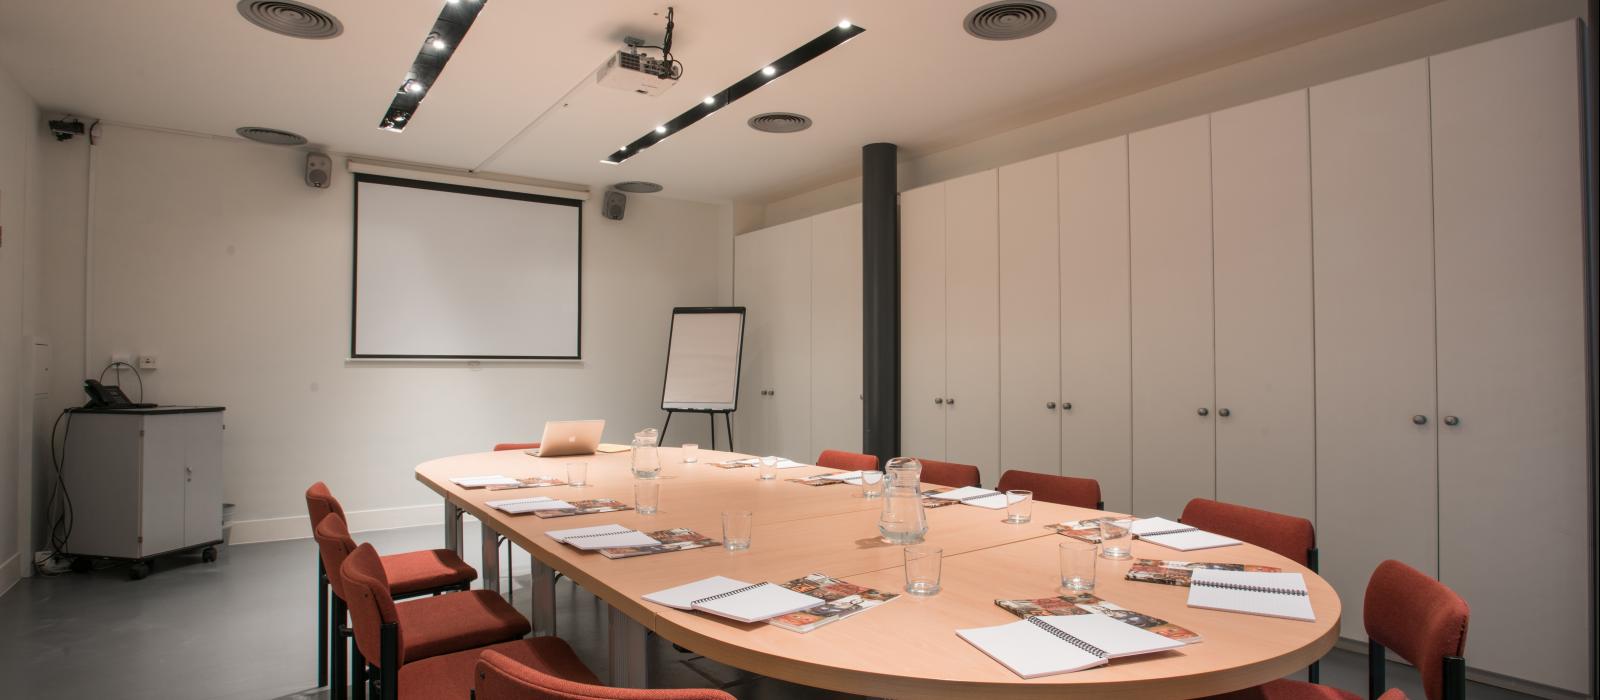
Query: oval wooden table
(906, 648)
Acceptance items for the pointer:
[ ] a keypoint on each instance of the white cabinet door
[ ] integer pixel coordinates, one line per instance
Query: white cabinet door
(1096, 420)
(1030, 333)
(751, 252)
(972, 324)
(836, 343)
(202, 497)
(1261, 200)
(1169, 170)
(922, 322)
(1372, 209)
(1508, 199)
(161, 514)
(788, 429)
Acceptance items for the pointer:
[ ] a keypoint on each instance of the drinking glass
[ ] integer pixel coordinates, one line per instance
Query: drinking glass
(871, 484)
(1116, 540)
(1077, 566)
(646, 496)
(578, 473)
(768, 468)
(1019, 506)
(691, 453)
(922, 569)
(736, 529)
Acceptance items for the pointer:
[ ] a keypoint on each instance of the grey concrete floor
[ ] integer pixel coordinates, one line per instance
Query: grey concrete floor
(242, 628)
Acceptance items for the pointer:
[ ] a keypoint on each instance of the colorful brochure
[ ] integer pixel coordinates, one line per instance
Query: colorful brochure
(843, 600)
(1088, 603)
(1086, 530)
(672, 540)
(1178, 573)
(593, 505)
(530, 482)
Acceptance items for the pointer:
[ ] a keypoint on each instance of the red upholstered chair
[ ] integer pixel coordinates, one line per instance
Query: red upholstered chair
(1408, 611)
(427, 572)
(504, 446)
(949, 473)
(445, 623)
(394, 638)
(836, 459)
(1065, 490)
(500, 677)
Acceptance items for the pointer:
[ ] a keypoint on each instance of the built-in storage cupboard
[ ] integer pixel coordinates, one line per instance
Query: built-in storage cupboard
(1361, 303)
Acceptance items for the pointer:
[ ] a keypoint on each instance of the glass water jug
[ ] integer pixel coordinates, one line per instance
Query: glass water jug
(646, 458)
(903, 520)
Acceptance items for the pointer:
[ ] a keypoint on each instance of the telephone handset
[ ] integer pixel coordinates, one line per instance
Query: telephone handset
(102, 396)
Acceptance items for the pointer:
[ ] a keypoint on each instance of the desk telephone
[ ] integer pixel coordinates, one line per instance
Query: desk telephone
(102, 396)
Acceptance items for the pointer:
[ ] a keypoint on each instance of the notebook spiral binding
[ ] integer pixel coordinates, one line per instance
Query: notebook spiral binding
(1063, 636)
(733, 592)
(623, 531)
(979, 496)
(1173, 531)
(1252, 589)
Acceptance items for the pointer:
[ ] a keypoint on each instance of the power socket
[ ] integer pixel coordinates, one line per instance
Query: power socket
(122, 357)
(147, 363)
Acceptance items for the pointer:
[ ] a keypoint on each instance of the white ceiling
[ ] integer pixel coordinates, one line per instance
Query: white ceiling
(913, 78)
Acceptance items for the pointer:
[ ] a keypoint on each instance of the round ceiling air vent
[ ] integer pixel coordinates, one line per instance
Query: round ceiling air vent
(638, 187)
(276, 137)
(1010, 19)
(290, 18)
(780, 122)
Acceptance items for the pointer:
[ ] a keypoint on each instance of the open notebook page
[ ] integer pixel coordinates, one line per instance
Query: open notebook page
(1044, 646)
(683, 597)
(1253, 592)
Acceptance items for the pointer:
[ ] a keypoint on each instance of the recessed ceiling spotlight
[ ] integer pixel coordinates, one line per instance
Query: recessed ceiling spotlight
(290, 18)
(845, 24)
(710, 100)
(436, 42)
(1010, 19)
(661, 129)
(411, 85)
(275, 137)
(769, 71)
(638, 187)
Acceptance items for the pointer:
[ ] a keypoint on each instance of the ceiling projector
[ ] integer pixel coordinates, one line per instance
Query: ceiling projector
(630, 70)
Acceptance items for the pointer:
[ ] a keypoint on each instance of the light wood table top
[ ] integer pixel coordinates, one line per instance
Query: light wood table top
(908, 647)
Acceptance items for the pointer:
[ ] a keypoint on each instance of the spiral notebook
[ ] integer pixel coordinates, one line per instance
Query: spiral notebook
(974, 496)
(1253, 592)
(1174, 535)
(1046, 646)
(735, 600)
(602, 536)
(517, 506)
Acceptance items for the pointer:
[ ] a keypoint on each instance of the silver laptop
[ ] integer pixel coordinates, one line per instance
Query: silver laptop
(570, 437)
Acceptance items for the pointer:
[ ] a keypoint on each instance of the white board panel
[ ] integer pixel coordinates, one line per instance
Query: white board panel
(703, 360)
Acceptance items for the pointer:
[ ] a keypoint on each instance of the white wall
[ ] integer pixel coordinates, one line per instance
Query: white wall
(19, 298)
(215, 256)
(1430, 30)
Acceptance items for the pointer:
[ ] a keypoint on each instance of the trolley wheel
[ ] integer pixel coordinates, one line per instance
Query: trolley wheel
(139, 570)
(81, 565)
(209, 554)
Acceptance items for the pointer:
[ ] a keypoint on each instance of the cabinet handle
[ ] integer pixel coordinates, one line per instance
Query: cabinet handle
(1204, 411)
(939, 400)
(1224, 412)
(950, 400)
(1066, 405)
(1051, 405)
(1419, 419)
(1452, 420)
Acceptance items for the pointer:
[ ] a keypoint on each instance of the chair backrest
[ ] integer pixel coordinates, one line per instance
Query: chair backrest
(369, 602)
(320, 502)
(504, 446)
(1287, 535)
(837, 459)
(1421, 619)
(949, 473)
(499, 677)
(1065, 490)
(334, 545)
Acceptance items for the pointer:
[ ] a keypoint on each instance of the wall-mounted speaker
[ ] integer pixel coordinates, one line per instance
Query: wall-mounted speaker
(319, 170)
(614, 205)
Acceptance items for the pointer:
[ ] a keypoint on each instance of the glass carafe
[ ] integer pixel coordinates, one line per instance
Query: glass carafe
(903, 520)
(646, 458)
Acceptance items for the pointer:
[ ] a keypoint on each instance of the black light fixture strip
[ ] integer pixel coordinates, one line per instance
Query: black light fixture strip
(447, 33)
(750, 83)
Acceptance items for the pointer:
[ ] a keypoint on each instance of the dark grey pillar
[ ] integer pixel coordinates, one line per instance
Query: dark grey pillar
(880, 298)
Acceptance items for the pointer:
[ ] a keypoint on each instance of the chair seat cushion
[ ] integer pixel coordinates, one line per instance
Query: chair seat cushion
(451, 675)
(1284, 689)
(428, 569)
(456, 621)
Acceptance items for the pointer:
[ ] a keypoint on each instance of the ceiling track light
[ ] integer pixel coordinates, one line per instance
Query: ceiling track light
(446, 34)
(827, 41)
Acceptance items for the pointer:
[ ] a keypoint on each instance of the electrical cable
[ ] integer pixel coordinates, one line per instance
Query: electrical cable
(118, 366)
(60, 499)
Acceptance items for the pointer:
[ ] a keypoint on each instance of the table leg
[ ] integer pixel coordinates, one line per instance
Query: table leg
(544, 599)
(626, 639)
(452, 527)
(489, 567)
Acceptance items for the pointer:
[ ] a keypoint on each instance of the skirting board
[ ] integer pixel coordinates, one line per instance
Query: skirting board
(1477, 676)
(298, 527)
(10, 572)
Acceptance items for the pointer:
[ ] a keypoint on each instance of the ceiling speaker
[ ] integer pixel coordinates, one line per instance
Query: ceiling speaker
(319, 170)
(615, 204)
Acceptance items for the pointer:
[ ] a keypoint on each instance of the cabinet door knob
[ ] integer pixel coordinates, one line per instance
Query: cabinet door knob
(1204, 411)
(1452, 420)
(1224, 412)
(772, 392)
(950, 400)
(939, 400)
(1066, 405)
(1051, 405)
(1419, 419)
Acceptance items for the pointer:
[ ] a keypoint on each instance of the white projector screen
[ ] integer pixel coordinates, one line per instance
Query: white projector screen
(446, 271)
(703, 359)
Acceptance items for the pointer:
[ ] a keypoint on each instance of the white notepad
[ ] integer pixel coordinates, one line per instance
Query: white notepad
(478, 482)
(839, 476)
(601, 537)
(788, 463)
(683, 597)
(1045, 646)
(517, 506)
(1174, 535)
(756, 602)
(974, 496)
(1253, 592)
